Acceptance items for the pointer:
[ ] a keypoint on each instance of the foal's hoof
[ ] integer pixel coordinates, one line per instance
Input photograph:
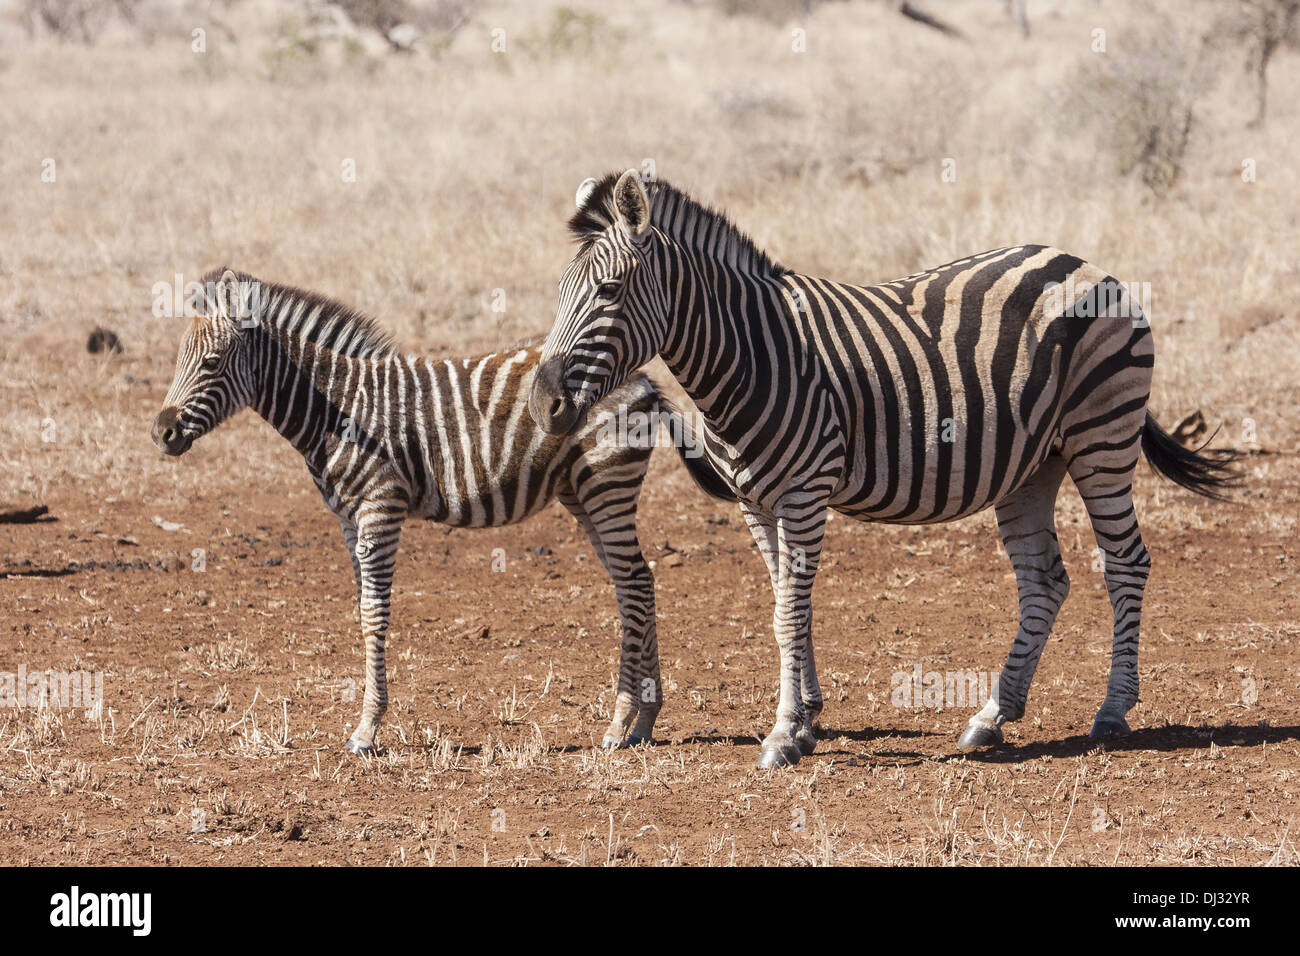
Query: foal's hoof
(778, 752)
(360, 749)
(622, 743)
(1106, 725)
(979, 735)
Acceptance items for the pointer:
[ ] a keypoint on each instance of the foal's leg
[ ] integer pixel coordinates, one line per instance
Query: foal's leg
(607, 512)
(350, 538)
(378, 529)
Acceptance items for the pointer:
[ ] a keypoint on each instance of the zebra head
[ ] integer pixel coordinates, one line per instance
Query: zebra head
(213, 378)
(612, 315)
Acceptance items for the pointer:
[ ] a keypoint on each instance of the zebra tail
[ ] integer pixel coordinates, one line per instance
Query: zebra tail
(709, 480)
(1207, 473)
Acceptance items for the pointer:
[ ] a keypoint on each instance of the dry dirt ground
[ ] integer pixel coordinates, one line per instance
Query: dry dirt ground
(225, 693)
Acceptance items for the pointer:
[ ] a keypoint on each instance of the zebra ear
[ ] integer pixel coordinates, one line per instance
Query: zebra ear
(227, 295)
(632, 203)
(584, 192)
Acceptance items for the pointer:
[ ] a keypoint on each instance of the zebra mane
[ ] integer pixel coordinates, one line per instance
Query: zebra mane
(336, 327)
(679, 216)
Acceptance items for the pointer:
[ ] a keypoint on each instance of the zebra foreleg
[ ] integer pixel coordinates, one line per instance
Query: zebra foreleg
(809, 690)
(791, 547)
(376, 553)
(1026, 521)
(650, 687)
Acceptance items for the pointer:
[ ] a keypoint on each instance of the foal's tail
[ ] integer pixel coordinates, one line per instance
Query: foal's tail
(1208, 473)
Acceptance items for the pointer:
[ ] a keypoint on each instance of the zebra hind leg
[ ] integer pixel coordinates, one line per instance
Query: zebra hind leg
(1108, 496)
(609, 519)
(1028, 528)
(350, 539)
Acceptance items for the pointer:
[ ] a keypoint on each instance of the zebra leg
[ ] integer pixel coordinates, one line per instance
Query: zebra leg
(791, 547)
(1108, 496)
(350, 538)
(1026, 521)
(766, 537)
(810, 691)
(376, 553)
(610, 523)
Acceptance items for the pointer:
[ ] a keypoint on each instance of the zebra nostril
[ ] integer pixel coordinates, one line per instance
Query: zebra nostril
(557, 408)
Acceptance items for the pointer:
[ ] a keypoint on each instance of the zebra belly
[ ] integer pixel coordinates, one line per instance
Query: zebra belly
(491, 505)
(941, 470)
(950, 455)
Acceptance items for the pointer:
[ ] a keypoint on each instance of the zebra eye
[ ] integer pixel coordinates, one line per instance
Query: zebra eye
(607, 290)
(211, 362)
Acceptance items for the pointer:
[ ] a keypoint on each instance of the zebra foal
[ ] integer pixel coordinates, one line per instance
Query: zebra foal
(976, 384)
(387, 436)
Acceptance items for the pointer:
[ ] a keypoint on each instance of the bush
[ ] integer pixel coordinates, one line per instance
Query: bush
(1144, 93)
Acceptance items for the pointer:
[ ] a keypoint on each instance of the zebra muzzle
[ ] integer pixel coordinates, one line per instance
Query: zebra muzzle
(551, 406)
(168, 435)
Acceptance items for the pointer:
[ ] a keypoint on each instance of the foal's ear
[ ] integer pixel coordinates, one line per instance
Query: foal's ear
(229, 300)
(584, 192)
(196, 301)
(632, 203)
(238, 300)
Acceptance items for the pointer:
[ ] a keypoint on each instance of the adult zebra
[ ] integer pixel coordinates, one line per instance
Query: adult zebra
(979, 383)
(388, 435)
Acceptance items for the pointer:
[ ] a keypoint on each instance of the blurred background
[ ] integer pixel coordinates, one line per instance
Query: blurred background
(418, 160)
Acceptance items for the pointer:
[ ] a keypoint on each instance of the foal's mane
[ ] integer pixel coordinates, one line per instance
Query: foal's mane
(337, 327)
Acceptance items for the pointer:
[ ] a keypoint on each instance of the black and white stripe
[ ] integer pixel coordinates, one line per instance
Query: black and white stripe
(972, 385)
(388, 435)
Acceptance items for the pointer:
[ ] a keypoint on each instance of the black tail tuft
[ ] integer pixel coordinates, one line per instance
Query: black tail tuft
(1208, 473)
(701, 471)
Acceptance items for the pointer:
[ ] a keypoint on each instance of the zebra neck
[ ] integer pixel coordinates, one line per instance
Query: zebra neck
(302, 390)
(731, 341)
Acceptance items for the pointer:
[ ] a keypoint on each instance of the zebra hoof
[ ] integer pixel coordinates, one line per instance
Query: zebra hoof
(778, 752)
(622, 743)
(1107, 725)
(360, 749)
(976, 736)
(806, 741)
